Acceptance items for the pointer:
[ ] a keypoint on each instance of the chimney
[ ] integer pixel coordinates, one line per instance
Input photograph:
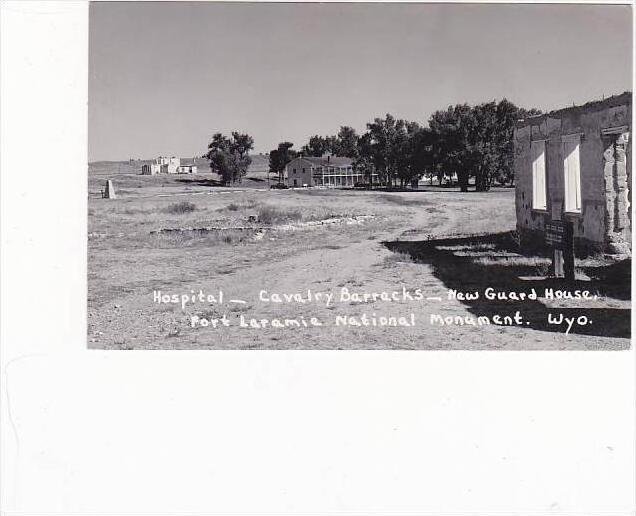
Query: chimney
(328, 157)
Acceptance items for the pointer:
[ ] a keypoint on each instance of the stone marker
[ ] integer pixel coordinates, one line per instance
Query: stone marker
(109, 193)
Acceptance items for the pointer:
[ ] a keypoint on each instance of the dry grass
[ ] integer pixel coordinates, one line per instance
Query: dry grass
(272, 215)
(244, 205)
(127, 261)
(395, 259)
(180, 207)
(400, 200)
(197, 238)
(540, 265)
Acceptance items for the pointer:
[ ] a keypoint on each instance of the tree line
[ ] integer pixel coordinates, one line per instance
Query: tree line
(463, 141)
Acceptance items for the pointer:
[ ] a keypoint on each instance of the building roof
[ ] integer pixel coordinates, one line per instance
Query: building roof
(324, 161)
(594, 105)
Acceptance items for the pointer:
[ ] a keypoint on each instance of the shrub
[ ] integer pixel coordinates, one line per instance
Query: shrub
(181, 207)
(193, 238)
(395, 258)
(236, 206)
(273, 215)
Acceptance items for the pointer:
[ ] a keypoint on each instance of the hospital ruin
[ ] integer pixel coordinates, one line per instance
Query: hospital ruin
(164, 165)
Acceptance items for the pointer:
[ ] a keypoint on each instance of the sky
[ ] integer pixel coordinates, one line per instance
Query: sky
(165, 76)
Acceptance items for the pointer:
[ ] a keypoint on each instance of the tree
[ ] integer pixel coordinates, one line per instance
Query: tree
(490, 142)
(364, 161)
(346, 143)
(483, 144)
(507, 116)
(229, 157)
(279, 157)
(450, 142)
(393, 148)
(423, 154)
(383, 140)
(316, 147)
(408, 165)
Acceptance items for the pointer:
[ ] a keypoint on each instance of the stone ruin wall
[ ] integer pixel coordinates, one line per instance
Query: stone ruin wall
(604, 223)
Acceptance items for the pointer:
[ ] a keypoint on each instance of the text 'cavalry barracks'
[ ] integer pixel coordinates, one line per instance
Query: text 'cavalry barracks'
(574, 164)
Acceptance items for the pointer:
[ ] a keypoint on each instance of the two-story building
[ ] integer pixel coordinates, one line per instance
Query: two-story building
(574, 164)
(331, 171)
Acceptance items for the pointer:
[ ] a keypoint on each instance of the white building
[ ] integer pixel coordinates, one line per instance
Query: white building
(162, 165)
(187, 169)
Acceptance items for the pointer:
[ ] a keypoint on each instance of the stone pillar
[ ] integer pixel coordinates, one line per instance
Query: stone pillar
(617, 223)
(621, 217)
(109, 193)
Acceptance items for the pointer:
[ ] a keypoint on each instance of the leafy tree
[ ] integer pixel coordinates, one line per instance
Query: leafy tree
(507, 116)
(384, 140)
(364, 161)
(279, 157)
(409, 166)
(450, 137)
(476, 142)
(229, 157)
(392, 148)
(423, 154)
(346, 143)
(316, 147)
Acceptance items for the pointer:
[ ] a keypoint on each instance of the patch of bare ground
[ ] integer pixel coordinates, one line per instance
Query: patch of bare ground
(130, 257)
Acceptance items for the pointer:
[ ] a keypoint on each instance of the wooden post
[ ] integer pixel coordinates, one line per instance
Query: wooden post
(568, 252)
(559, 235)
(558, 268)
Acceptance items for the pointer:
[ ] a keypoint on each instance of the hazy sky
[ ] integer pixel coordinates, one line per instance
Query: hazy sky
(163, 77)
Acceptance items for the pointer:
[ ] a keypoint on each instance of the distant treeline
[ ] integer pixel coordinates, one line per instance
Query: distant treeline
(463, 141)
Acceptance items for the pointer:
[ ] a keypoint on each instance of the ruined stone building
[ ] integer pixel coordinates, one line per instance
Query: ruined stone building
(187, 169)
(161, 165)
(574, 164)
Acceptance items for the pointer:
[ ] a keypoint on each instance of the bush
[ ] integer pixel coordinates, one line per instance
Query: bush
(272, 215)
(196, 238)
(181, 207)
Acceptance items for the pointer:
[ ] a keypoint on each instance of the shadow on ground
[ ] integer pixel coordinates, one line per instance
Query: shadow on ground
(216, 182)
(201, 182)
(472, 264)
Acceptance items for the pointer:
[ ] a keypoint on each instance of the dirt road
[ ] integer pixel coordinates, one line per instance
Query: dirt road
(128, 275)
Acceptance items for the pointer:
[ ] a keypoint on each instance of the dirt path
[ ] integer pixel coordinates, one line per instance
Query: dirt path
(357, 266)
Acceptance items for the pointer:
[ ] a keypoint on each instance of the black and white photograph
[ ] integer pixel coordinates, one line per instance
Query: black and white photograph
(316, 258)
(359, 176)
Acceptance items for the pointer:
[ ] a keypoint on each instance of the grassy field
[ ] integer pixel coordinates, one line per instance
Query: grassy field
(182, 234)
